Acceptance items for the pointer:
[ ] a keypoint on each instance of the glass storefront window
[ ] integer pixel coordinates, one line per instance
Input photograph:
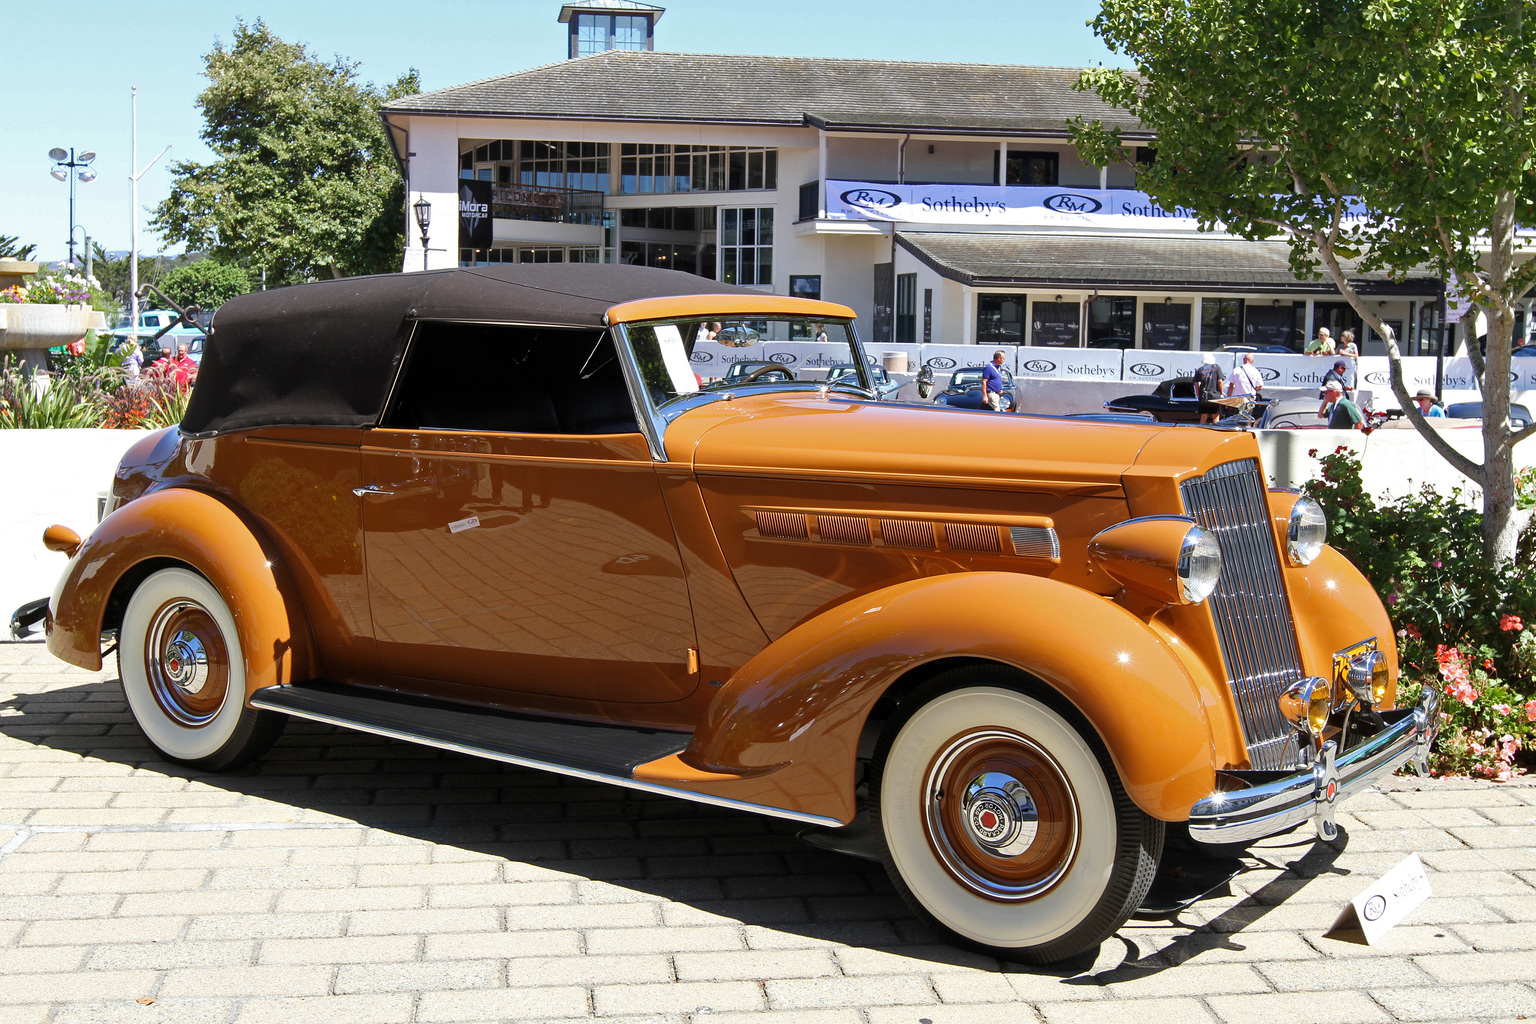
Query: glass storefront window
(1221, 323)
(746, 245)
(542, 164)
(1112, 322)
(999, 319)
(1056, 324)
(906, 309)
(1165, 326)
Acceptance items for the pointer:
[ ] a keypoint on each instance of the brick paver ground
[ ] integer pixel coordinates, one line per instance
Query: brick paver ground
(347, 878)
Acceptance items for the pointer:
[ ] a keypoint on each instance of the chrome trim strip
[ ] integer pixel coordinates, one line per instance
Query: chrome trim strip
(1248, 814)
(559, 769)
(651, 423)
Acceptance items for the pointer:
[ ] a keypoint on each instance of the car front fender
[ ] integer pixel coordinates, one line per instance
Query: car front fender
(786, 726)
(178, 525)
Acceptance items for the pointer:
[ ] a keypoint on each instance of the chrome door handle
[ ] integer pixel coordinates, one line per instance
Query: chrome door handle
(370, 489)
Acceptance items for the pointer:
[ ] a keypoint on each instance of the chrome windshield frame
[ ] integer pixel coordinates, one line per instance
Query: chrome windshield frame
(653, 421)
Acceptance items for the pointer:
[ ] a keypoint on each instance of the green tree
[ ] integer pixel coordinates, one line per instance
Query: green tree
(304, 182)
(11, 250)
(112, 273)
(1388, 134)
(207, 284)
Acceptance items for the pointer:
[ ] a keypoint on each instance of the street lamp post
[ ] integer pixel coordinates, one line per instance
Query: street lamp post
(423, 218)
(65, 164)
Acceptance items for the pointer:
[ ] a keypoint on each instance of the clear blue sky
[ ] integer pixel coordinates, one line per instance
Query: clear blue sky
(69, 66)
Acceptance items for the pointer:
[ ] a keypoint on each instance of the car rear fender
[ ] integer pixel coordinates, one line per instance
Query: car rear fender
(182, 526)
(787, 724)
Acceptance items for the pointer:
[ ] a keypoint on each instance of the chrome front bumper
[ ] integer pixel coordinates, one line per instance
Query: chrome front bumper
(1243, 815)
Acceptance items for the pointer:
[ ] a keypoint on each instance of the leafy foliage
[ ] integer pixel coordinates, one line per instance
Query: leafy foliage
(1390, 135)
(207, 284)
(1460, 620)
(11, 249)
(304, 183)
(113, 274)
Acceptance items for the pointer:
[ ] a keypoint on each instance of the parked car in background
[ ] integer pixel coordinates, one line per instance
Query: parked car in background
(1014, 652)
(151, 322)
(1275, 349)
(964, 390)
(756, 369)
(884, 386)
(1519, 415)
(1172, 401)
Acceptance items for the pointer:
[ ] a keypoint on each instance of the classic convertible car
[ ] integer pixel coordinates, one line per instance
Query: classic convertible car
(494, 510)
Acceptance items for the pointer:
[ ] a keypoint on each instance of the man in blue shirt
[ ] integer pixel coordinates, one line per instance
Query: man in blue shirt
(992, 383)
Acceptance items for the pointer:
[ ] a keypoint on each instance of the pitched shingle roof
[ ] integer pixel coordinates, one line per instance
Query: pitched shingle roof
(835, 93)
(1206, 263)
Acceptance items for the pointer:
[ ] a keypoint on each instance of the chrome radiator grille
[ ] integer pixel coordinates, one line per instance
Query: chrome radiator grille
(1253, 617)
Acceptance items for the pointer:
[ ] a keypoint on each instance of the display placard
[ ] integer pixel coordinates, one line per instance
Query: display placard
(949, 358)
(1152, 367)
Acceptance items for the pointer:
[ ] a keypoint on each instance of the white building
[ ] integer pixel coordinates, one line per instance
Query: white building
(941, 201)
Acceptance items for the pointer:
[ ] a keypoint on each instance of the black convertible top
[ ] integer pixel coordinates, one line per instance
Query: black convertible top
(324, 354)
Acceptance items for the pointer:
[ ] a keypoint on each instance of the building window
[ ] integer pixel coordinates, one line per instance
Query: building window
(1056, 324)
(596, 33)
(646, 167)
(906, 309)
(1112, 323)
(1000, 320)
(746, 245)
(1221, 323)
(553, 165)
(1032, 168)
(532, 254)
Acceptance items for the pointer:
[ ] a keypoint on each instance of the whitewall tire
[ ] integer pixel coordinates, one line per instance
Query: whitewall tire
(1004, 825)
(183, 674)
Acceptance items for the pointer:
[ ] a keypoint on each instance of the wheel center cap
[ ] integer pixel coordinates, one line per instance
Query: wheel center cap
(1000, 815)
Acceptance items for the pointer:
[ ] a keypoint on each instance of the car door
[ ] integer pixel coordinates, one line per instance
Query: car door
(513, 541)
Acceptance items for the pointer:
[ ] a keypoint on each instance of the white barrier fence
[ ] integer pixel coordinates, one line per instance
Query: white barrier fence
(1143, 366)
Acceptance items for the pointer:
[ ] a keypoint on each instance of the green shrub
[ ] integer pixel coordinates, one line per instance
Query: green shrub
(1460, 622)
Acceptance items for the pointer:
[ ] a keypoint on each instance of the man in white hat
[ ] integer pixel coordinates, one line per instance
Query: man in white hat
(1342, 414)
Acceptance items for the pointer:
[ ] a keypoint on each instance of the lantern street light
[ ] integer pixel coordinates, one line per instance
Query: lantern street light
(65, 164)
(423, 218)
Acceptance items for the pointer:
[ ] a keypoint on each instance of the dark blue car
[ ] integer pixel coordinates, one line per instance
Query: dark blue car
(964, 390)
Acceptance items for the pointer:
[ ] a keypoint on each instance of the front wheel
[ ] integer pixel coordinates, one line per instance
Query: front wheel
(184, 675)
(1004, 825)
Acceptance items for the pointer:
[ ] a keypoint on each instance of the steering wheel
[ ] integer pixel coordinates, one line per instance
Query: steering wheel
(762, 371)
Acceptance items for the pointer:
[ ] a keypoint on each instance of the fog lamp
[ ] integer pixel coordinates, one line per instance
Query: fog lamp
(1366, 677)
(1305, 704)
(1306, 532)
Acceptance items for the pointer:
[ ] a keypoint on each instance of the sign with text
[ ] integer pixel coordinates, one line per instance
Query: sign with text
(1165, 328)
(1152, 367)
(1055, 324)
(1069, 364)
(1008, 206)
(949, 358)
(1383, 904)
(474, 214)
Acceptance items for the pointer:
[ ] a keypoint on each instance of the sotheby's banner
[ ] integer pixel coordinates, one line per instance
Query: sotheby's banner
(1002, 205)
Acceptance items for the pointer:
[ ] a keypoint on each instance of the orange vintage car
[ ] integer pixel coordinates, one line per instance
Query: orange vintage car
(496, 510)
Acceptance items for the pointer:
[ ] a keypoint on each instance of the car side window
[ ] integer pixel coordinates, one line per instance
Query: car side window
(512, 379)
(1183, 391)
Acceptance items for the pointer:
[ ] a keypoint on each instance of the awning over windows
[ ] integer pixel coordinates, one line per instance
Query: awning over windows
(1206, 265)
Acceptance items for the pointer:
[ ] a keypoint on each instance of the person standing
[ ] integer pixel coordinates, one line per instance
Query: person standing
(1322, 345)
(1347, 346)
(1342, 414)
(1208, 388)
(133, 361)
(992, 383)
(1344, 374)
(1246, 379)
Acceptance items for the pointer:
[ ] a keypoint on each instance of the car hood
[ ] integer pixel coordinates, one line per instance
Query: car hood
(807, 436)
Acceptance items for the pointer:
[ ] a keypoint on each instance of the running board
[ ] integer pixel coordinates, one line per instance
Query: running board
(582, 750)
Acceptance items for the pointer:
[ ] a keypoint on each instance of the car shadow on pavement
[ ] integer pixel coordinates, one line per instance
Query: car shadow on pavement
(734, 865)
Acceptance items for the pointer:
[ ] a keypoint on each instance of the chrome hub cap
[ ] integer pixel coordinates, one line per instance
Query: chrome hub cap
(1001, 815)
(186, 662)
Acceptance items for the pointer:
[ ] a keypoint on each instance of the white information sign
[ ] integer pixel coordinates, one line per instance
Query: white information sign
(949, 358)
(1002, 205)
(1153, 366)
(1383, 904)
(1525, 368)
(1069, 363)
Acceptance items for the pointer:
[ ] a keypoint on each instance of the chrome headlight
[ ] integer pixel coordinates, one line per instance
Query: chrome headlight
(1199, 565)
(1306, 533)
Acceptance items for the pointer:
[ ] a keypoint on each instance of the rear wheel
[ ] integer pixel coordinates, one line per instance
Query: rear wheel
(183, 674)
(1004, 825)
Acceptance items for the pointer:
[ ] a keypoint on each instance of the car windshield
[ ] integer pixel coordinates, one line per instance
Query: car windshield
(970, 378)
(743, 353)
